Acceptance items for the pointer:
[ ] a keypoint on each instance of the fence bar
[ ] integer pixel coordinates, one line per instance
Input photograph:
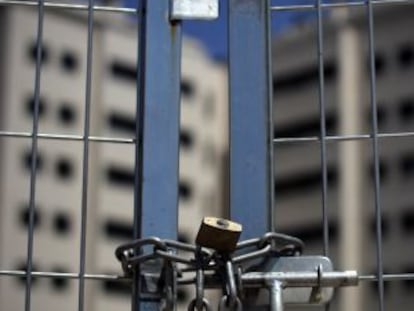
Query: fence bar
(307, 7)
(118, 278)
(278, 140)
(85, 164)
(333, 138)
(251, 189)
(322, 119)
(158, 114)
(68, 6)
(33, 164)
(375, 150)
(68, 137)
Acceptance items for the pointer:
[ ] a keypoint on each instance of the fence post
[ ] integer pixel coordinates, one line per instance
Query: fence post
(251, 189)
(157, 146)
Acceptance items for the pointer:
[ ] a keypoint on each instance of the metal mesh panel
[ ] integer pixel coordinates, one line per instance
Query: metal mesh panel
(332, 71)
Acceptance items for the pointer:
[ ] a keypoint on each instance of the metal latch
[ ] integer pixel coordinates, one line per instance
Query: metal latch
(303, 280)
(194, 9)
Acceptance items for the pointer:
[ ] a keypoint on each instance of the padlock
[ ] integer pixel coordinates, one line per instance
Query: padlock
(219, 234)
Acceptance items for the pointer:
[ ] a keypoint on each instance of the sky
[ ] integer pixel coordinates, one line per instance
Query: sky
(214, 33)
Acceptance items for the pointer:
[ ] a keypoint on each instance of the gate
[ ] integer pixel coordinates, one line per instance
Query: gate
(253, 160)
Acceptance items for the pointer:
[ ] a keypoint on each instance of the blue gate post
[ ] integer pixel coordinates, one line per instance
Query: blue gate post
(251, 186)
(158, 113)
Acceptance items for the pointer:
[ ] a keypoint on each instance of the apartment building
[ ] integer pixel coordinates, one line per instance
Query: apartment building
(203, 142)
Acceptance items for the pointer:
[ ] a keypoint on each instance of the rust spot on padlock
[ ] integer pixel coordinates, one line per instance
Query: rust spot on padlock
(219, 234)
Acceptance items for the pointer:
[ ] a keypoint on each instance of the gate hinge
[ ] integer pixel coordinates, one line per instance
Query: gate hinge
(194, 9)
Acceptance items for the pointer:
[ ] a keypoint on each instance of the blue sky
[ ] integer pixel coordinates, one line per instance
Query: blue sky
(214, 33)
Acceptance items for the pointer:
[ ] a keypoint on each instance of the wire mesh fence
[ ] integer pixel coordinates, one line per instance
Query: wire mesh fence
(321, 81)
(343, 61)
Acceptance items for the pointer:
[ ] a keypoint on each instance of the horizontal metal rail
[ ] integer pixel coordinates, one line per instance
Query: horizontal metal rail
(119, 278)
(68, 6)
(278, 140)
(341, 137)
(275, 8)
(69, 137)
(60, 275)
(307, 7)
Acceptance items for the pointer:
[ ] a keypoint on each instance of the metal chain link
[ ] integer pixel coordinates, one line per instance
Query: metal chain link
(206, 264)
(133, 254)
(225, 305)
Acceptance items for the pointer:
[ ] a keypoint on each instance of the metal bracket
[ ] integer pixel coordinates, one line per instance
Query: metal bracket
(194, 9)
(299, 265)
(304, 280)
(150, 281)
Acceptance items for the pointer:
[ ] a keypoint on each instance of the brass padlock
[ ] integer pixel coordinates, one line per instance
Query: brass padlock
(219, 234)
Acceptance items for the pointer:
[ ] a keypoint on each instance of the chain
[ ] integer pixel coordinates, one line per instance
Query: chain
(181, 259)
(133, 254)
(199, 303)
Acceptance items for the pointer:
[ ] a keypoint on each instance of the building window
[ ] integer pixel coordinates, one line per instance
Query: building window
(23, 267)
(409, 283)
(407, 221)
(406, 164)
(380, 64)
(27, 161)
(69, 61)
(30, 104)
(121, 176)
(186, 139)
(59, 283)
(303, 182)
(123, 71)
(381, 115)
(312, 233)
(405, 55)
(303, 77)
(307, 127)
(118, 230)
(64, 168)
(32, 53)
(185, 191)
(25, 214)
(383, 171)
(187, 88)
(62, 223)
(122, 122)
(406, 109)
(385, 225)
(67, 114)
